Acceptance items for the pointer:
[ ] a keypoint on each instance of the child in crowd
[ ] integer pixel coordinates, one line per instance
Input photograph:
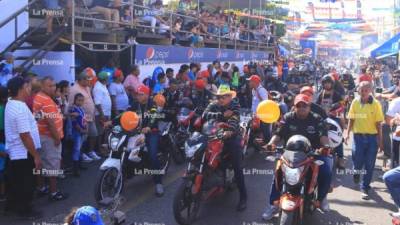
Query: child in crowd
(79, 128)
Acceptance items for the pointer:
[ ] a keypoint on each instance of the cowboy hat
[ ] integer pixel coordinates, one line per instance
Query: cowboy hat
(225, 90)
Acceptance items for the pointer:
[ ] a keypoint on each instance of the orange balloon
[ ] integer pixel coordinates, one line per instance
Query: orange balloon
(159, 99)
(129, 120)
(268, 111)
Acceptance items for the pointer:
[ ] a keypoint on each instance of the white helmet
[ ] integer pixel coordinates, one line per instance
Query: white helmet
(335, 133)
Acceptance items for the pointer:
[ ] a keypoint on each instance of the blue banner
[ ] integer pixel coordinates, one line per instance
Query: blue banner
(309, 48)
(158, 54)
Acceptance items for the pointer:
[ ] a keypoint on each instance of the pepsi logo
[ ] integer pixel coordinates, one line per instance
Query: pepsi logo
(150, 53)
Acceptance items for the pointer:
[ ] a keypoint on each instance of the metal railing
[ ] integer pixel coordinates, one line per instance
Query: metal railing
(168, 28)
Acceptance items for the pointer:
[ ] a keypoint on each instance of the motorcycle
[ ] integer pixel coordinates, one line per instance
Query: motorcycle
(188, 121)
(296, 174)
(208, 174)
(128, 157)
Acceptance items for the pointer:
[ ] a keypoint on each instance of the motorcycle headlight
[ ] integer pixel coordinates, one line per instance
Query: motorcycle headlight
(292, 175)
(114, 144)
(191, 150)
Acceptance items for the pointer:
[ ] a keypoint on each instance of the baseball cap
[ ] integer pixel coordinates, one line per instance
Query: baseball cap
(302, 98)
(103, 75)
(254, 78)
(200, 84)
(118, 73)
(143, 89)
(87, 215)
(83, 76)
(306, 89)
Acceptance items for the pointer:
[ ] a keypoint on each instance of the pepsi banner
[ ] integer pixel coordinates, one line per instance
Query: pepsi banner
(158, 54)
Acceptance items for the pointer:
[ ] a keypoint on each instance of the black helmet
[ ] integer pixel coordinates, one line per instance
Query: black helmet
(276, 96)
(327, 78)
(298, 143)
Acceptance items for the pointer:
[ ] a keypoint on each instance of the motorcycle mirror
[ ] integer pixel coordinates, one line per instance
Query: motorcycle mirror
(319, 162)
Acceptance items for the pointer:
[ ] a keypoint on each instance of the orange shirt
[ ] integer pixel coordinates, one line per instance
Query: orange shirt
(44, 107)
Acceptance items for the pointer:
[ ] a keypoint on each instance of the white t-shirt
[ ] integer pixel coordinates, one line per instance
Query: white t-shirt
(102, 97)
(394, 108)
(19, 119)
(259, 95)
(121, 98)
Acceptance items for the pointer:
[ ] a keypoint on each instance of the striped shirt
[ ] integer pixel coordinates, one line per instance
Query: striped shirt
(45, 108)
(19, 119)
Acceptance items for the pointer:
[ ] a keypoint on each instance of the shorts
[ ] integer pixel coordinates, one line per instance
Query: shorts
(51, 157)
(99, 126)
(52, 4)
(92, 129)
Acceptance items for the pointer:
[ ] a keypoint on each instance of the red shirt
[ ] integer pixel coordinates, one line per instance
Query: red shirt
(364, 77)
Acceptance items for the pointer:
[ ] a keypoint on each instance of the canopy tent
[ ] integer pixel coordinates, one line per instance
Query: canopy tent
(390, 47)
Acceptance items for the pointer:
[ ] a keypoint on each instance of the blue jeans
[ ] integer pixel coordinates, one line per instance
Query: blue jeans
(152, 140)
(324, 181)
(365, 149)
(233, 146)
(266, 131)
(77, 139)
(392, 181)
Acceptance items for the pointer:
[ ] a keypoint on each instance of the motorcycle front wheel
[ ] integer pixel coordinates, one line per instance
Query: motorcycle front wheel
(186, 204)
(290, 218)
(109, 184)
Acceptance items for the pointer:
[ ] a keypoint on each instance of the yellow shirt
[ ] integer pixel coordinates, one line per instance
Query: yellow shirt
(365, 116)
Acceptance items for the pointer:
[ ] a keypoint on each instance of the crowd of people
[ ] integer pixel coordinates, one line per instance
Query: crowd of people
(56, 127)
(190, 23)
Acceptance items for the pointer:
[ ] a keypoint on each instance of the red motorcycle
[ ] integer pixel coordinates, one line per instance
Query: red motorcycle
(296, 174)
(208, 174)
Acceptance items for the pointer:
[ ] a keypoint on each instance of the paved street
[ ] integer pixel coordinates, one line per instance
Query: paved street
(143, 208)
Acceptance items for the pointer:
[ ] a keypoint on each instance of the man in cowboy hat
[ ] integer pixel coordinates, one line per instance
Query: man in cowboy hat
(227, 109)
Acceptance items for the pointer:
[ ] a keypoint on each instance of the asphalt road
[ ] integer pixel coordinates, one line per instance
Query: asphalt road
(143, 208)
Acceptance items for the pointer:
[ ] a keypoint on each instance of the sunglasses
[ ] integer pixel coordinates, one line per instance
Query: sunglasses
(222, 96)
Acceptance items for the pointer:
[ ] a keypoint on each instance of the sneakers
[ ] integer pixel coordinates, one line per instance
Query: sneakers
(94, 156)
(325, 205)
(365, 195)
(43, 191)
(159, 190)
(395, 215)
(270, 212)
(86, 158)
(58, 196)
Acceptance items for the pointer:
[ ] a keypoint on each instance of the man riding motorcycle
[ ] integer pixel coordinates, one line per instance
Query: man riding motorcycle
(303, 122)
(144, 107)
(227, 109)
(331, 102)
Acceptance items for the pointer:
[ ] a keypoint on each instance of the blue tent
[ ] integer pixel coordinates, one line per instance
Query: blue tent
(388, 48)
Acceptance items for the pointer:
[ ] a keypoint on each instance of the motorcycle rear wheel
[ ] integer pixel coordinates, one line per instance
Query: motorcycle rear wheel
(108, 178)
(187, 202)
